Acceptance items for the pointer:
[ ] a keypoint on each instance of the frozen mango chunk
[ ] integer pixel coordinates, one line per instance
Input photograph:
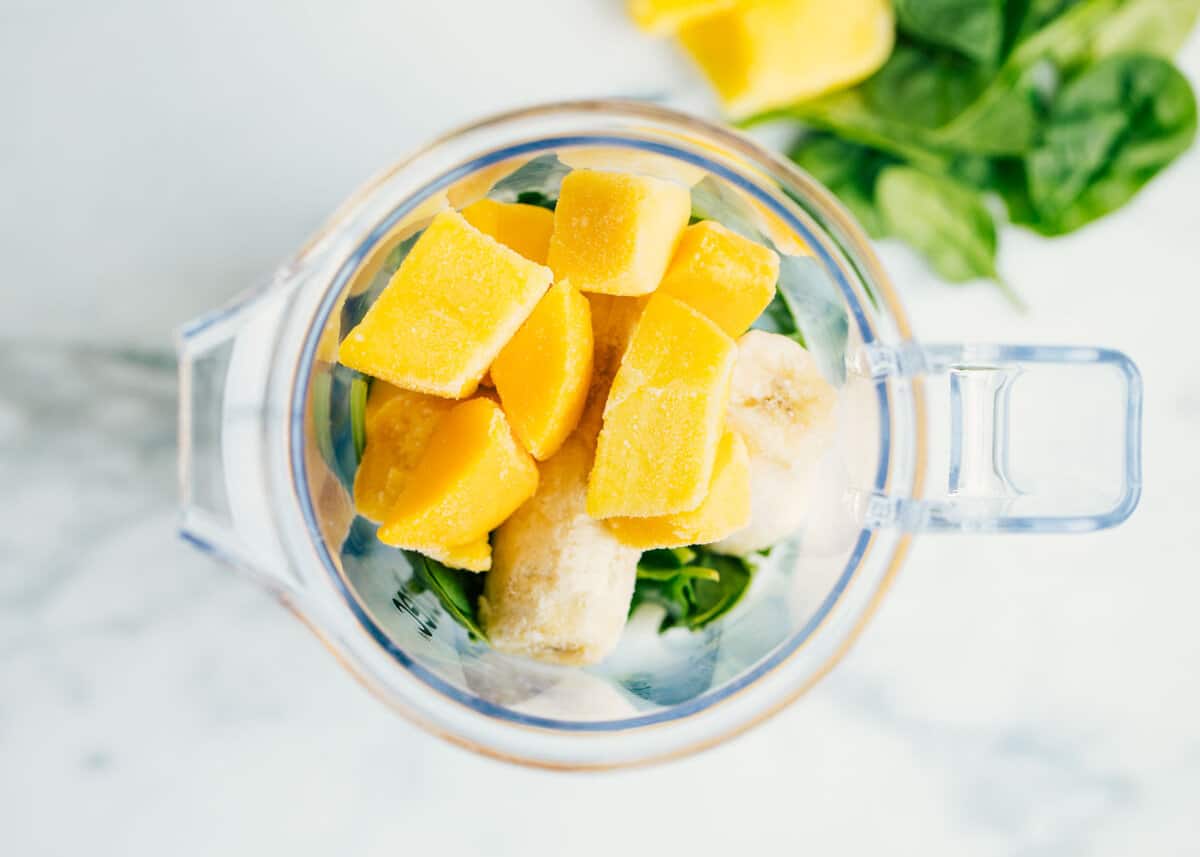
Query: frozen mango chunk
(457, 298)
(772, 53)
(667, 16)
(476, 556)
(729, 278)
(472, 476)
(399, 425)
(724, 510)
(615, 233)
(380, 394)
(524, 228)
(613, 321)
(542, 375)
(664, 415)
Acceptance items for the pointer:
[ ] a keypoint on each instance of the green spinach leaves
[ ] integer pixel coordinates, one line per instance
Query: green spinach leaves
(695, 586)
(1062, 110)
(1110, 130)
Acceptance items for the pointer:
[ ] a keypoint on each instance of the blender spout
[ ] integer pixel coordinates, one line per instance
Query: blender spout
(224, 430)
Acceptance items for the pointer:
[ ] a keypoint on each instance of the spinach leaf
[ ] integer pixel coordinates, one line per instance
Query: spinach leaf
(713, 599)
(974, 28)
(1112, 129)
(696, 572)
(942, 219)
(923, 87)
(849, 170)
(698, 594)
(536, 197)
(358, 415)
(665, 559)
(1147, 26)
(456, 590)
(541, 176)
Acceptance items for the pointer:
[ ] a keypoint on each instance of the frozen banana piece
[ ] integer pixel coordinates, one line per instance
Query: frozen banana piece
(561, 583)
(784, 410)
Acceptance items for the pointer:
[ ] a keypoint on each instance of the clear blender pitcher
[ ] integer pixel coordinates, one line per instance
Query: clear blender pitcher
(931, 437)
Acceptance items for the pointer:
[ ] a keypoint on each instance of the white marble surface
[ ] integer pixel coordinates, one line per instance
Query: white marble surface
(1016, 696)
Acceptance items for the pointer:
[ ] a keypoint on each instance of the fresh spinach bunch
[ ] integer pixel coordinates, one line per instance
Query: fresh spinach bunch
(694, 585)
(1059, 111)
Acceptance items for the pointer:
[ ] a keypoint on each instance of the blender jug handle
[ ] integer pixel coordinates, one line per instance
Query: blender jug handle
(1041, 438)
(224, 421)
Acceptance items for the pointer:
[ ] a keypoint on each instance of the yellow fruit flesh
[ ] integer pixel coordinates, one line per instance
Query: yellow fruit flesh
(771, 53)
(380, 394)
(667, 16)
(457, 298)
(399, 426)
(472, 475)
(542, 375)
(725, 509)
(615, 233)
(613, 321)
(723, 275)
(476, 556)
(663, 418)
(524, 228)
(377, 256)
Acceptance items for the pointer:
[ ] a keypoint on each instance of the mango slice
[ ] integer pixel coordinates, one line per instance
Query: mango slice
(471, 477)
(615, 233)
(613, 321)
(457, 298)
(771, 53)
(476, 556)
(724, 510)
(542, 375)
(524, 228)
(399, 425)
(664, 415)
(380, 394)
(729, 278)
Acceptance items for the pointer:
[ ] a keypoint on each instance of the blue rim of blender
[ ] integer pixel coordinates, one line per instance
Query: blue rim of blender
(300, 470)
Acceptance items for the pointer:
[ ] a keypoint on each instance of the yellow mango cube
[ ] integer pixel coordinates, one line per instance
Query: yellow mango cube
(399, 425)
(667, 16)
(729, 278)
(771, 53)
(472, 476)
(543, 373)
(613, 321)
(380, 394)
(615, 233)
(724, 510)
(664, 415)
(457, 298)
(524, 228)
(476, 556)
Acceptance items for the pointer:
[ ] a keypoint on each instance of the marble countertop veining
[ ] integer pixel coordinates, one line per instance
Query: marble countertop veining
(1015, 695)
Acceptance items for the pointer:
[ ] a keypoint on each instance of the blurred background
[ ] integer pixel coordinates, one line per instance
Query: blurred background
(1015, 696)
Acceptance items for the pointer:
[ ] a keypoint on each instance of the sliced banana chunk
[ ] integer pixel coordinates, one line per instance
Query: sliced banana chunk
(561, 583)
(784, 409)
